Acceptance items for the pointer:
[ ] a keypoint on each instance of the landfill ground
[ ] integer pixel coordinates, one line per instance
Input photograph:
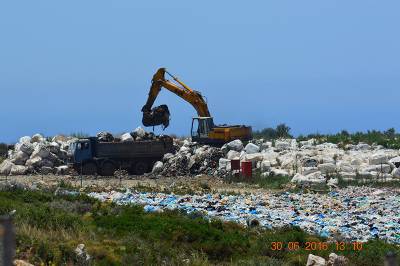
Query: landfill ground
(53, 220)
(354, 213)
(178, 185)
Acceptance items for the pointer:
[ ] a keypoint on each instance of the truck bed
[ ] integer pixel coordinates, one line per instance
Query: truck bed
(128, 150)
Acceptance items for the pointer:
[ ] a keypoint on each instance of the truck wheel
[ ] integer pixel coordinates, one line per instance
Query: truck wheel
(89, 168)
(141, 168)
(107, 169)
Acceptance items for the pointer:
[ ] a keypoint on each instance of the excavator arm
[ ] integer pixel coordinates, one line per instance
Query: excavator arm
(160, 115)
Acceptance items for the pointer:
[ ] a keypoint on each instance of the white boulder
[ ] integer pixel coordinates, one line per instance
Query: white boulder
(223, 163)
(327, 168)
(265, 165)
(158, 167)
(251, 148)
(25, 139)
(395, 172)
(25, 147)
(37, 138)
(140, 132)
(5, 167)
(336, 260)
(395, 161)
(126, 137)
(40, 151)
(298, 178)
(380, 168)
(236, 145)
(232, 154)
(309, 170)
(316, 177)
(62, 170)
(347, 175)
(19, 158)
(313, 260)
(378, 158)
(333, 182)
(345, 167)
(362, 146)
(18, 170)
(167, 157)
(254, 157)
(35, 162)
(282, 145)
(279, 172)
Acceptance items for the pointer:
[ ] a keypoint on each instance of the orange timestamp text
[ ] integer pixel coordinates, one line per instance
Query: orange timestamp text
(312, 246)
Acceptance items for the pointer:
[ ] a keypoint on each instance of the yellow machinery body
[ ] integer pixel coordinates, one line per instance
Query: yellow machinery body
(203, 128)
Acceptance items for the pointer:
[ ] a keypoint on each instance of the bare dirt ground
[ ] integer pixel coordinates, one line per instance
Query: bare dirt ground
(178, 185)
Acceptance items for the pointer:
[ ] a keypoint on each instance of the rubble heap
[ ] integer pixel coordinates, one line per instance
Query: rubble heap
(304, 161)
(308, 162)
(37, 154)
(136, 135)
(189, 159)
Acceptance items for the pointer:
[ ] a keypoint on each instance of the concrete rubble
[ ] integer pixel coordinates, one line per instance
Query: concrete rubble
(37, 154)
(313, 260)
(304, 161)
(349, 214)
(189, 159)
(40, 155)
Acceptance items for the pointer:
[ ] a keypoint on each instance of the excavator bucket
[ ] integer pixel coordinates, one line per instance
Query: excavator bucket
(157, 116)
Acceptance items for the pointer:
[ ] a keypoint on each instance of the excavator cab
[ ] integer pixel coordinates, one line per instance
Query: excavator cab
(201, 127)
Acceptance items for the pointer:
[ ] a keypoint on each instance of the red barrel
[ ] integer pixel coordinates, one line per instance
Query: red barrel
(247, 169)
(235, 164)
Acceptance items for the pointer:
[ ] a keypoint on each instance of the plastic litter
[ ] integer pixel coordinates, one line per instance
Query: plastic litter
(355, 213)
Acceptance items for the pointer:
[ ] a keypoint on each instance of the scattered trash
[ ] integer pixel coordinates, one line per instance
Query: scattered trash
(353, 213)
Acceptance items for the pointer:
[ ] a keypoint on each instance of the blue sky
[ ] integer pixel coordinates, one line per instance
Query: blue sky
(86, 66)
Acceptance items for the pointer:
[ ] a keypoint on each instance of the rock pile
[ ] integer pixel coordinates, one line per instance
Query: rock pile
(189, 159)
(37, 154)
(307, 162)
(304, 161)
(137, 135)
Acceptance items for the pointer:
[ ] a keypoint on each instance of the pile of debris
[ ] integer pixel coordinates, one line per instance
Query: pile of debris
(304, 161)
(137, 135)
(37, 154)
(189, 159)
(308, 162)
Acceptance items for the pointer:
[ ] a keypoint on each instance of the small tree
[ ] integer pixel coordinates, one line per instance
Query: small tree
(282, 131)
(390, 133)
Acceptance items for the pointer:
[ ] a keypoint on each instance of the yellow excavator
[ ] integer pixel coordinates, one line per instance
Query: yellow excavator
(203, 129)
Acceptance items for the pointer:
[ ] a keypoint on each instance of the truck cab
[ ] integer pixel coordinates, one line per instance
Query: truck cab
(81, 150)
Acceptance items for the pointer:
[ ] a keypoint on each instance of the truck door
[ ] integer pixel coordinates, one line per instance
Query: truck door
(83, 152)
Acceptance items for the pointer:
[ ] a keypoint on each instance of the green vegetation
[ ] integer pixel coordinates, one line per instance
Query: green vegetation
(3, 151)
(79, 135)
(270, 182)
(281, 131)
(50, 227)
(388, 138)
(380, 182)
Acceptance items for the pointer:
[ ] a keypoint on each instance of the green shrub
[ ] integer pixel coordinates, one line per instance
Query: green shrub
(50, 227)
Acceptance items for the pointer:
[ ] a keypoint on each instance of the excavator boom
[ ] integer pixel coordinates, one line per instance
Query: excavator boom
(203, 129)
(160, 115)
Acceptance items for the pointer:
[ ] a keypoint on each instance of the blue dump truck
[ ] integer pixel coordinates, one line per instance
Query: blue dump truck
(89, 156)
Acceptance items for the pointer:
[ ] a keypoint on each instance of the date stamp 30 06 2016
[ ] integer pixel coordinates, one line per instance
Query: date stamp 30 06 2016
(313, 246)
